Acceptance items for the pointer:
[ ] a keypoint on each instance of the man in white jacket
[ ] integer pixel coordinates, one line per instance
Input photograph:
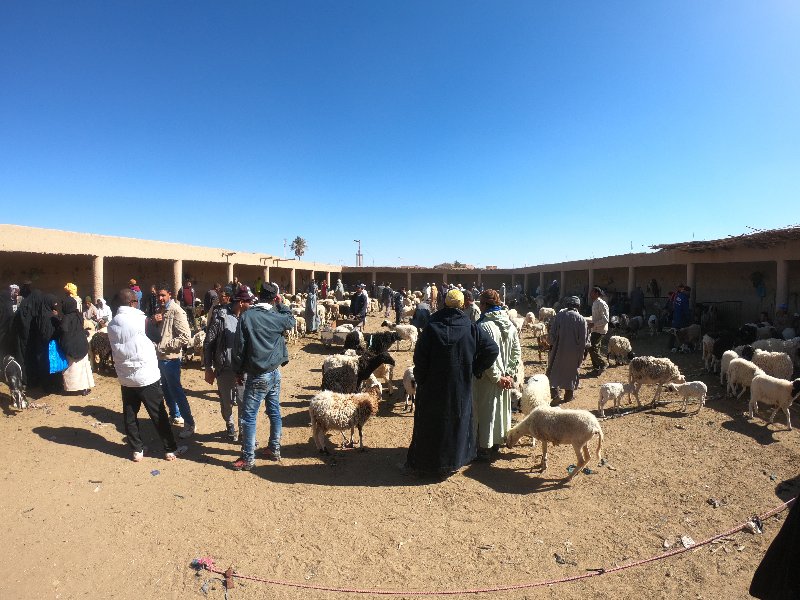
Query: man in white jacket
(137, 371)
(599, 330)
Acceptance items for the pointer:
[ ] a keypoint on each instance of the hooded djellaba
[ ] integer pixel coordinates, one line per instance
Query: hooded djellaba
(311, 316)
(72, 339)
(450, 350)
(492, 403)
(34, 326)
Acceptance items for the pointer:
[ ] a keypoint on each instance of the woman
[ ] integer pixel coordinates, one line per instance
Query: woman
(312, 318)
(44, 328)
(104, 311)
(72, 339)
(491, 394)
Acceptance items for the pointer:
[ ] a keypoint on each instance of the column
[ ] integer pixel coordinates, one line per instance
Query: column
(525, 283)
(291, 282)
(512, 282)
(408, 280)
(177, 273)
(266, 274)
(563, 283)
(541, 282)
(591, 279)
(97, 277)
(631, 279)
(480, 280)
(444, 277)
(329, 280)
(782, 283)
(375, 276)
(690, 280)
(313, 275)
(230, 274)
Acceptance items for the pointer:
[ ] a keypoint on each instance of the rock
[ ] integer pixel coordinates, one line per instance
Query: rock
(687, 541)
(714, 502)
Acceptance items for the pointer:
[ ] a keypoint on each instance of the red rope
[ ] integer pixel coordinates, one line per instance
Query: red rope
(208, 565)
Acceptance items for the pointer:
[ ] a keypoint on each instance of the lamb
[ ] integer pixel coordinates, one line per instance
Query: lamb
(536, 392)
(385, 372)
(690, 389)
(12, 375)
(775, 364)
(775, 392)
(530, 320)
(344, 372)
(406, 332)
(410, 387)
(543, 345)
(546, 314)
(708, 352)
(652, 324)
(619, 348)
(613, 392)
(741, 372)
(652, 370)
(560, 426)
(333, 410)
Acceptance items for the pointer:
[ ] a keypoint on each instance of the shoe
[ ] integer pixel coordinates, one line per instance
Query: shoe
(177, 421)
(138, 455)
(273, 455)
(178, 452)
(85, 393)
(186, 433)
(483, 455)
(242, 465)
(233, 435)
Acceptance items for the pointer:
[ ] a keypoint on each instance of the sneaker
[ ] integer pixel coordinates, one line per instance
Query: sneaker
(233, 435)
(273, 455)
(177, 421)
(186, 433)
(178, 452)
(242, 465)
(138, 455)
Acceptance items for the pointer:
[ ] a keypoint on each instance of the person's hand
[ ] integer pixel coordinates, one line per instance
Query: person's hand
(209, 376)
(158, 317)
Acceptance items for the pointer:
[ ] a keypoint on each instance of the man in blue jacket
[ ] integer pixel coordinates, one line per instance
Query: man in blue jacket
(259, 350)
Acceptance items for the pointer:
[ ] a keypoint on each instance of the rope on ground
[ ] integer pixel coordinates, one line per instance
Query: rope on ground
(208, 565)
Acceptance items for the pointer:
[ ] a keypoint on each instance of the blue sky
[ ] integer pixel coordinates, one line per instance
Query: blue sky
(505, 133)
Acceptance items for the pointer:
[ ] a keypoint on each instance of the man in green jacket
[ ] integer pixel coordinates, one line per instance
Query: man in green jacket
(259, 350)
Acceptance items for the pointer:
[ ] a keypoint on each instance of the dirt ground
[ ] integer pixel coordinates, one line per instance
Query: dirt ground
(81, 520)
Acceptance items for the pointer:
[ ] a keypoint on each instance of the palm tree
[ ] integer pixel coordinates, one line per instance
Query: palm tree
(298, 246)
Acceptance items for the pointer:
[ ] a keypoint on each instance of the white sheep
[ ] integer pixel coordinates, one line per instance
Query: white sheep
(725, 362)
(512, 313)
(652, 324)
(612, 392)
(536, 392)
(708, 352)
(332, 410)
(619, 349)
(776, 364)
(740, 373)
(560, 426)
(410, 387)
(530, 320)
(406, 332)
(690, 389)
(518, 322)
(385, 372)
(652, 370)
(775, 392)
(546, 314)
(790, 347)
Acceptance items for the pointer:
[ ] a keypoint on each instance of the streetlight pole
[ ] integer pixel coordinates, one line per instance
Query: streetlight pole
(359, 256)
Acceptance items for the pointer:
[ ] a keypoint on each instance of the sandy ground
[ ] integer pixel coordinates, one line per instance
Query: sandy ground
(81, 520)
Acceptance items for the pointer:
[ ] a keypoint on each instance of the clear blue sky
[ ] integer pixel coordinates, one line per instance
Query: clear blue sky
(504, 133)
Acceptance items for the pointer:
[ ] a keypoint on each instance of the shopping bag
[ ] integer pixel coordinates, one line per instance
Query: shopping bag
(58, 362)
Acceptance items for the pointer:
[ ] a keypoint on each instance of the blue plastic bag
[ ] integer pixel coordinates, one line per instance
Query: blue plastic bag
(58, 362)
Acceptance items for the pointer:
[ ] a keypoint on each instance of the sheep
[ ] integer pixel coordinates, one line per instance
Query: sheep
(724, 341)
(378, 342)
(385, 372)
(619, 348)
(775, 364)
(12, 375)
(560, 426)
(773, 392)
(530, 320)
(708, 352)
(775, 345)
(410, 387)
(685, 339)
(333, 410)
(690, 389)
(726, 359)
(194, 348)
(321, 312)
(300, 326)
(512, 314)
(406, 332)
(344, 372)
(741, 372)
(519, 322)
(546, 314)
(100, 350)
(634, 325)
(536, 392)
(613, 392)
(543, 345)
(652, 324)
(652, 370)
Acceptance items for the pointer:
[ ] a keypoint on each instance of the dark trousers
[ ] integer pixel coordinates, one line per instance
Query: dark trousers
(398, 316)
(594, 350)
(153, 399)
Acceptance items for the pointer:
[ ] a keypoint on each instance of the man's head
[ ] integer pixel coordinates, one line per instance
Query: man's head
(596, 293)
(188, 283)
(132, 282)
(454, 299)
(489, 299)
(572, 302)
(127, 297)
(164, 295)
(243, 300)
(468, 299)
(269, 292)
(87, 302)
(217, 287)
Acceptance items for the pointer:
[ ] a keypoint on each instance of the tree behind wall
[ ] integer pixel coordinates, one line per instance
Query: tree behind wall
(298, 246)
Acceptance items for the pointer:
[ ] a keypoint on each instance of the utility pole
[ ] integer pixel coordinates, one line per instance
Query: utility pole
(284, 247)
(359, 256)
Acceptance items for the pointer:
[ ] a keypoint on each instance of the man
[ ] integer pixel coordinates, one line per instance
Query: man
(600, 320)
(426, 293)
(568, 342)
(217, 355)
(187, 299)
(398, 302)
(259, 349)
(491, 393)
(139, 377)
(136, 290)
(386, 298)
(358, 305)
(310, 314)
(637, 302)
(422, 314)
(211, 298)
(89, 311)
(681, 308)
(173, 334)
(450, 350)
(470, 309)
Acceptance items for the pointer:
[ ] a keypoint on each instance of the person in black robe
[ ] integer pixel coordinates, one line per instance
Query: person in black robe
(450, 350)
(6, 319)
(34, 326)
(777, 577)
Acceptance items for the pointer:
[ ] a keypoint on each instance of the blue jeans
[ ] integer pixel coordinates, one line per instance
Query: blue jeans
(177, 403)
(266, 387)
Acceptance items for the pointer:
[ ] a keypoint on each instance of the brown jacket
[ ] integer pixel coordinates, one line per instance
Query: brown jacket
(175, 332)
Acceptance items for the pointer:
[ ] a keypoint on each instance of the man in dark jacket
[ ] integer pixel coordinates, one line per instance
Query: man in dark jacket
(397, 302)
(259, 349)
(358, 305)
(450, 350)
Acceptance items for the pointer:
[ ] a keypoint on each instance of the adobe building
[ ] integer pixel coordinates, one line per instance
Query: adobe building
(743, 274)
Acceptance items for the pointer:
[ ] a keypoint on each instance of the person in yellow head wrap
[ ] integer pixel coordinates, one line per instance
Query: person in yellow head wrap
(454, 299)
